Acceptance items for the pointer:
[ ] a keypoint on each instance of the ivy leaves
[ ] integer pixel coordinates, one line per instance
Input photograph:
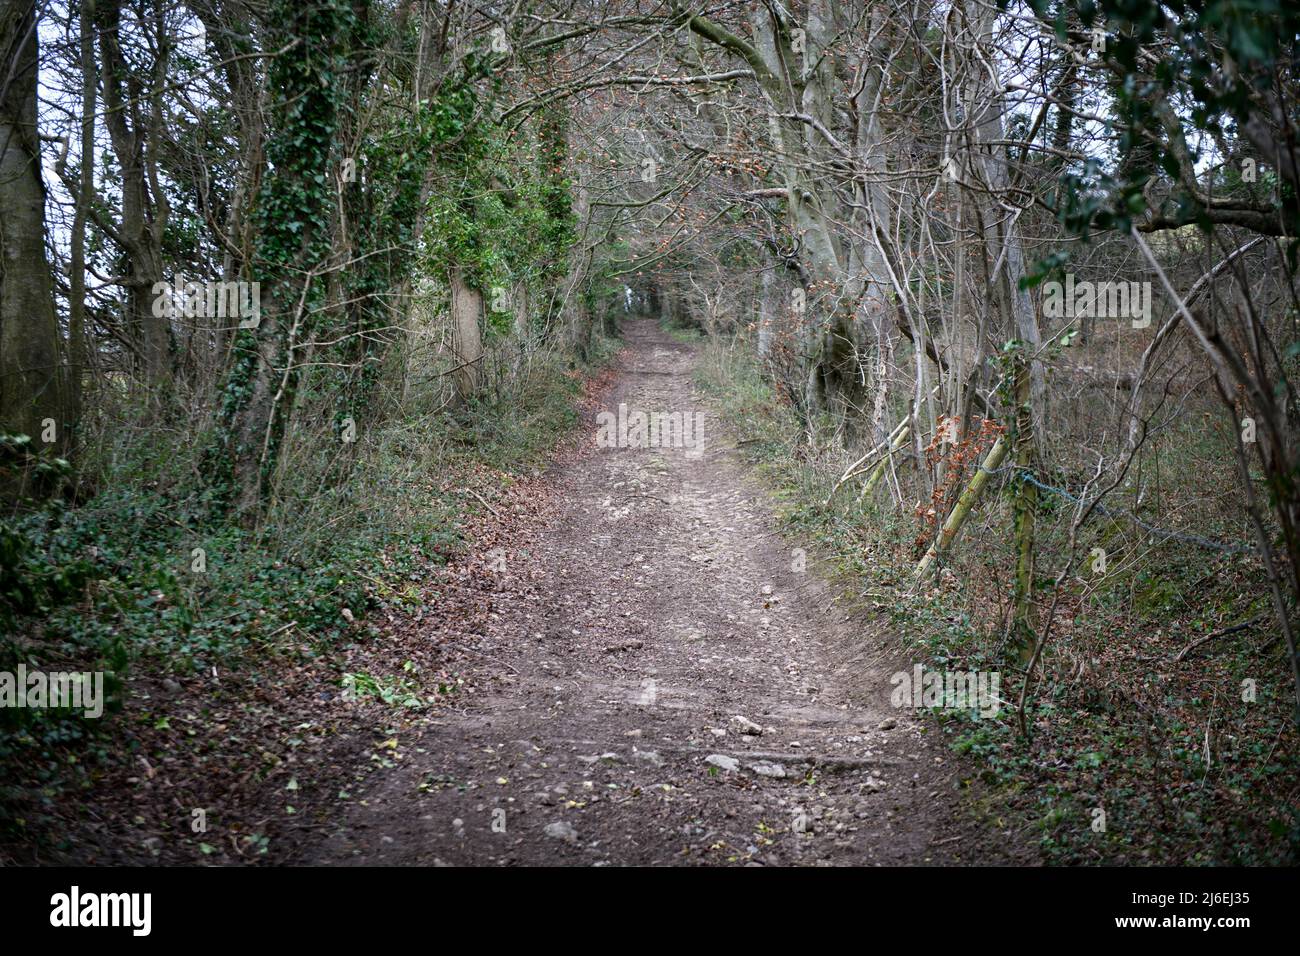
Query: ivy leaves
(1215, 70)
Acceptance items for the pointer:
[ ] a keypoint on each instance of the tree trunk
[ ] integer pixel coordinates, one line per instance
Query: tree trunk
(987, 106)
(144, 203)
(230, 32)
(766, 313)
(467, 340)
(1025, 507)
(78, 352)
(961, 511)
(33, 388)
(261, 387)
(522, 307)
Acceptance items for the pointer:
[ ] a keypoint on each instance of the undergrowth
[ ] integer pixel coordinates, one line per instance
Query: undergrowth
(142, 577)
(1179, 767)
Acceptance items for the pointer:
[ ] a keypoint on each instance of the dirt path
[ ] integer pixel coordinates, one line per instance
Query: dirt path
(656, 606)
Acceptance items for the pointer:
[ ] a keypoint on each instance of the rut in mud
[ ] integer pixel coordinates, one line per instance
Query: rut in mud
(656, 607)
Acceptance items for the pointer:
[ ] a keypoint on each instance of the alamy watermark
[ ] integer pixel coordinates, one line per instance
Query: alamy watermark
(195, 299)
(71, 690)
(1102, 300)
(955, 690)
(75, 908)
(638, 429)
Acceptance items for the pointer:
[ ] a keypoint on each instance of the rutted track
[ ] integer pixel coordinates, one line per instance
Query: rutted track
(657, 605)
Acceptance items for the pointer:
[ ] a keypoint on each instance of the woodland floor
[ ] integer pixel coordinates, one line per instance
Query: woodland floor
(646, 606)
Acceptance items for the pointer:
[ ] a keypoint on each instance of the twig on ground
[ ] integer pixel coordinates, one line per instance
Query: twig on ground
(1224, 632)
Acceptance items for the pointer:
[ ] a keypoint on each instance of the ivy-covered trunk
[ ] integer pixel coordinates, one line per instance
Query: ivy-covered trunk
(294, 216)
